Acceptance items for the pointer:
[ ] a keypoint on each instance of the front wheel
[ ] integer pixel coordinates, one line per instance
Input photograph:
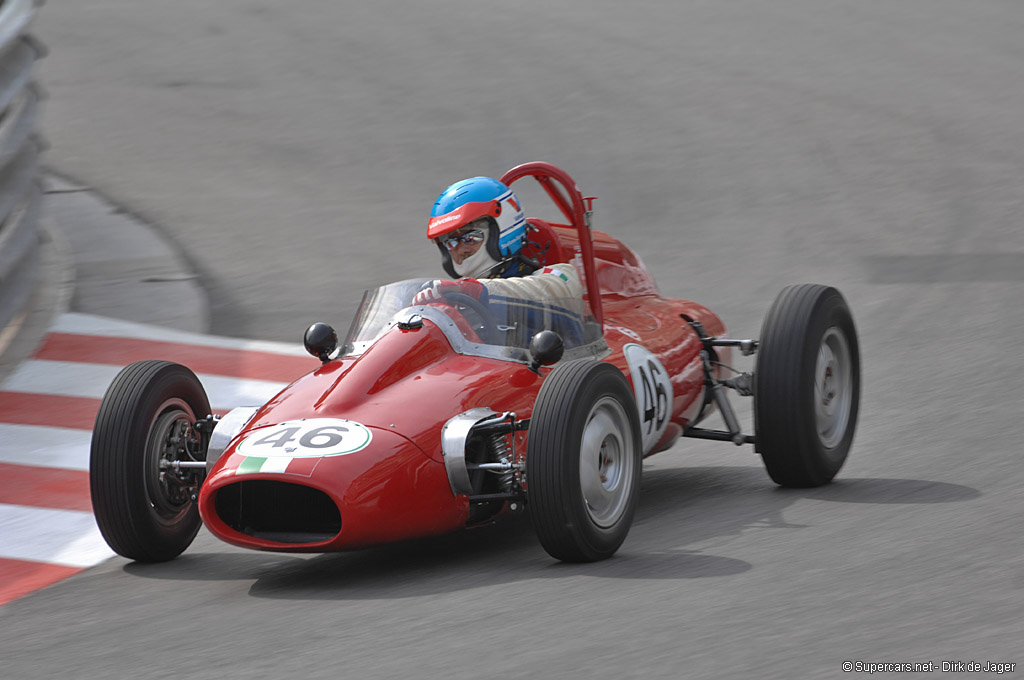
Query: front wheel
(807, 386)
(145, 506)
(583, 461)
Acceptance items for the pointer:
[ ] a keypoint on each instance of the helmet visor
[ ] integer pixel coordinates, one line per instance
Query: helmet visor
(471, 237)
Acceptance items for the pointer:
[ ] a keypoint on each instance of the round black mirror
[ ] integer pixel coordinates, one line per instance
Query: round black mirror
(547, 348)
(320, 340)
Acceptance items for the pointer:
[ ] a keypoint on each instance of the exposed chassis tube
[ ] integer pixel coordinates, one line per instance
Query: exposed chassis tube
(743, 384)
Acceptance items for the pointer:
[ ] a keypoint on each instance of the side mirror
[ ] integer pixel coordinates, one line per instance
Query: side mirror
(320, 341)
(547, 348)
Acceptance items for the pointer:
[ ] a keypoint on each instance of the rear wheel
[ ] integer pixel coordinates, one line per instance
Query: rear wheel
(144, 506)
(807, 386)
(583, 461)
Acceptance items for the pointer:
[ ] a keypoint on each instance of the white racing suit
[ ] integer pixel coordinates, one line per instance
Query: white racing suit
(549, 299)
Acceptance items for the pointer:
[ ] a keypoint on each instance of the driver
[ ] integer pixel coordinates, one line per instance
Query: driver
(479, 227)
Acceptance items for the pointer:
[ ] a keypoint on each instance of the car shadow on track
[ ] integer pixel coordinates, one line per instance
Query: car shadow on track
(681, 509)
(890, 491)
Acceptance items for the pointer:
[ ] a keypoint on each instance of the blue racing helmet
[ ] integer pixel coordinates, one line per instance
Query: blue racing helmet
(487, 203)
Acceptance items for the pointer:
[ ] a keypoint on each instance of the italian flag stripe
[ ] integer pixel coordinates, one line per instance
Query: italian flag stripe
(250, 464)
(276, 464)
(297, 466)
(303, 466)
(560, 274)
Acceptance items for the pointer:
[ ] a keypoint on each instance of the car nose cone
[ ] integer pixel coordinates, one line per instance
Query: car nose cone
(384, 490)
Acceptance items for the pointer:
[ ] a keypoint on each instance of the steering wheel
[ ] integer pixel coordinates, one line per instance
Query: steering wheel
(487, 329)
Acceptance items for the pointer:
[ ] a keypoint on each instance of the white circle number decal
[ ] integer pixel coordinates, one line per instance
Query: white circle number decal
(653, 391)
(314, 438)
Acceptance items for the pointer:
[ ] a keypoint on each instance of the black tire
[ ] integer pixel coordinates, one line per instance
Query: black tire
(592, 399)
(140, 517)
(806, 386)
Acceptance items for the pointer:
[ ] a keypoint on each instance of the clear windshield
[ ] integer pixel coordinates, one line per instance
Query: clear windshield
(499, 327)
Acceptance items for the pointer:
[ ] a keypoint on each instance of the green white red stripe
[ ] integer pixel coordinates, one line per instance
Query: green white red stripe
(277, 465)
(551, 270)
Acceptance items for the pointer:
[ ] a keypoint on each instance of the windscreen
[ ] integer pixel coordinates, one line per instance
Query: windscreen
(495, 325)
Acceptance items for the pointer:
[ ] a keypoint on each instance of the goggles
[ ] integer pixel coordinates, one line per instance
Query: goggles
(471, 237)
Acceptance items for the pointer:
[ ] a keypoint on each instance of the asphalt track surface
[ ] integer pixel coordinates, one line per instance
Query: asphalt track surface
(293, 152)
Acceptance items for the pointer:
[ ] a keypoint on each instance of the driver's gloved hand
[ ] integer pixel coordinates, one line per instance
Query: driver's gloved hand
(434, 290)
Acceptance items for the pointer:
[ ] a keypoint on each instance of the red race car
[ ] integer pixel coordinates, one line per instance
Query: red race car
(434, 417)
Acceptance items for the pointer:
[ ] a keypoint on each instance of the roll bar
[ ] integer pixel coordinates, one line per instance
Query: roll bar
(571, 203)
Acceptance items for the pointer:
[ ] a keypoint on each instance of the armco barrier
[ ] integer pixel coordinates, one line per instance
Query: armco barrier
(20, 189)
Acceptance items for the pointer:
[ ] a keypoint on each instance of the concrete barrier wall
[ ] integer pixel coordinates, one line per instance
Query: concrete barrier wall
(20, 186)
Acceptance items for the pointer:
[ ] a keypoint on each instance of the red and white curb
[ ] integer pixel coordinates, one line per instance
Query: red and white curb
(47, 410)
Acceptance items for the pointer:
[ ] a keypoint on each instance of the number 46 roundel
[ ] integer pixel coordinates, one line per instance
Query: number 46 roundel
(653, 392)
(313, 438)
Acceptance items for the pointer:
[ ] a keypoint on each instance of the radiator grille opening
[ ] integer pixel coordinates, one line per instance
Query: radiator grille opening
(278, 511)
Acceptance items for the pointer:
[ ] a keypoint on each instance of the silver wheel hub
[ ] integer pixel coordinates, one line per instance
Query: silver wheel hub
(833, 387)
(606, 470)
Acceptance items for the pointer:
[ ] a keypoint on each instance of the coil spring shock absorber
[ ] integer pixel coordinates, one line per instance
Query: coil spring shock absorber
(501, 453)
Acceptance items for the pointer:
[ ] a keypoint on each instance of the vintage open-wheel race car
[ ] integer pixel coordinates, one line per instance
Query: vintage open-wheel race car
(430, 418)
